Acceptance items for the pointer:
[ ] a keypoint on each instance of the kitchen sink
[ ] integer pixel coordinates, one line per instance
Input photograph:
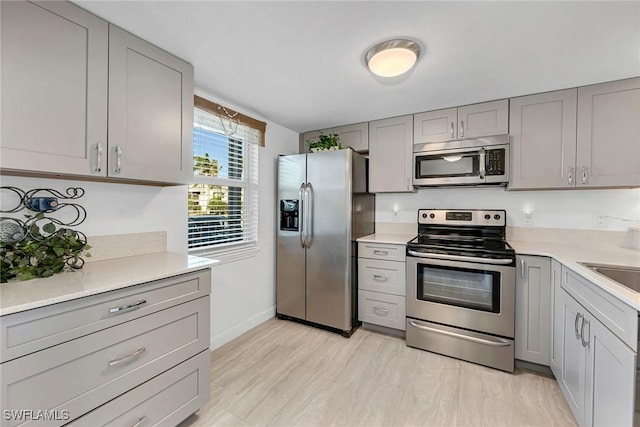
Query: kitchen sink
(627, 276)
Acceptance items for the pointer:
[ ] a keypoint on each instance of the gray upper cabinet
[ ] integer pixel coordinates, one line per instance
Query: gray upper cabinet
(469, 121)
(486, 119)
(533, 315)
(150, 111)
(82, 98)
(435, 126)
(390, 151)
(543, 140)
(609, 134)
(54, 88)
(355, 136)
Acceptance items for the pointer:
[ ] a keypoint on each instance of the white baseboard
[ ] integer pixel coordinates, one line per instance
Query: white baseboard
(230, 334)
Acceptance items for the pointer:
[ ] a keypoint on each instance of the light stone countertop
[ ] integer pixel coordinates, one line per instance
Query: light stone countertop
(391, 238)
(95, 278)
(571, 255)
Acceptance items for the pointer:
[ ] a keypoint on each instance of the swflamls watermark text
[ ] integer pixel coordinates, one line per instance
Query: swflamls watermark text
(36, 414)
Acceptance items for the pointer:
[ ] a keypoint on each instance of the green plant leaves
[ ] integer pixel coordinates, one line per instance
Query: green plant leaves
(39, 255)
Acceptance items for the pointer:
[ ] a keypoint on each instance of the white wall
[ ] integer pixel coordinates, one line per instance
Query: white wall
(243, 291)
(550, 209)
(121, 208)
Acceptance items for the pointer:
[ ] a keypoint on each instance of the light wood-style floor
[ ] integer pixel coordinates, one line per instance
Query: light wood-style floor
(282, 373)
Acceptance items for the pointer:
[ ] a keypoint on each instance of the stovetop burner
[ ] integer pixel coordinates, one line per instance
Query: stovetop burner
(472, 233)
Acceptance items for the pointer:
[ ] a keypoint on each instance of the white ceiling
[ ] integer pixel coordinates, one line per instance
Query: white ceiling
(300, 64)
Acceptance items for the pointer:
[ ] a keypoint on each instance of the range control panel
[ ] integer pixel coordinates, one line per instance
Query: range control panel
(462, 217)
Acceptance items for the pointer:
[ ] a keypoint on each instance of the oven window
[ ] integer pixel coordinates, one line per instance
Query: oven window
(443, 165)
(475, 289)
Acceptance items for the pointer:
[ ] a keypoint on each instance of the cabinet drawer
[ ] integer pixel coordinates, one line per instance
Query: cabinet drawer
(381, 251)
(381, 309)
(382, 276)
(164, 400)
(82, 374)
(29, 331)
(620, 318)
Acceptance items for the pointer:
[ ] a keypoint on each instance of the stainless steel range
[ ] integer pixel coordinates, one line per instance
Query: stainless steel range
(461, 286)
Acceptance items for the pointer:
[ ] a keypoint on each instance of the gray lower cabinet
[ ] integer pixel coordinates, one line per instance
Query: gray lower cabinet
(82, 98)
(390, 155)
(596, 369)
(147, 342)
(555, 351)
(381, 284)
(533, 295)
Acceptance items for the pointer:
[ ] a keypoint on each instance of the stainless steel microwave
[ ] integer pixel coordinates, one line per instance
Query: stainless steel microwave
(468, 162)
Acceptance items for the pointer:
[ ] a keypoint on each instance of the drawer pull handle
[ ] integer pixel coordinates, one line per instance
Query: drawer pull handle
(140, 421)
(378, 252)
(380, 278)
(382, 310)
(136, 305)
(128, 358)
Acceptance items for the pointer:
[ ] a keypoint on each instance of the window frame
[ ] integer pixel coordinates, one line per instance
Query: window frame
(248, 246)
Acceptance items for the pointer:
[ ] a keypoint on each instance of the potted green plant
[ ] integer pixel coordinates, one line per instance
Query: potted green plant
(42, 252)
(326, 142)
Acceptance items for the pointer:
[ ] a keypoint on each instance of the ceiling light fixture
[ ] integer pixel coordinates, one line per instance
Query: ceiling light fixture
(392, 58)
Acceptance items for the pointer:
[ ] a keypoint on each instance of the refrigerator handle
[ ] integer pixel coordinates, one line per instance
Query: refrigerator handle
(301, 216)
(308, 228)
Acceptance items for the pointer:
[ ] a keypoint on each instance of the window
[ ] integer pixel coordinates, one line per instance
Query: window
(223, 199)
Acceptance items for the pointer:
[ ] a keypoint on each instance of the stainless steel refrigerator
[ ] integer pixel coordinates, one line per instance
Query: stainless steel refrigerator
(324, 207)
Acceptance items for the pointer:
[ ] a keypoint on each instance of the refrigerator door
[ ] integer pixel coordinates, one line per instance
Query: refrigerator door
(329, 239)
(290, 267)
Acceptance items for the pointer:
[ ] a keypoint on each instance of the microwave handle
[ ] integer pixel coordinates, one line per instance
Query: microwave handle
(483, 159)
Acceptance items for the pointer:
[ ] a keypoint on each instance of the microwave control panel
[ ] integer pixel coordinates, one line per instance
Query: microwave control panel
(495, 162)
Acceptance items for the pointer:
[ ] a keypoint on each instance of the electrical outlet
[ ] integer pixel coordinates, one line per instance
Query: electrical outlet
(600, 220)
(395, 213)
(527, 218)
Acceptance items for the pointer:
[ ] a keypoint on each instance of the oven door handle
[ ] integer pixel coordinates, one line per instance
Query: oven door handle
(499, 343)
(496, 261)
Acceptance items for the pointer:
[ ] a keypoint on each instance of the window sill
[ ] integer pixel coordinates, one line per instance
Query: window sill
(228, 254)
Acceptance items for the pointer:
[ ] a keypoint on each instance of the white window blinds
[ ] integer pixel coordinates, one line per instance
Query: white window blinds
(223, 200)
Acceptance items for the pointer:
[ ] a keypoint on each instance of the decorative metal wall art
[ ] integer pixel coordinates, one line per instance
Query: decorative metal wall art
(41, 244)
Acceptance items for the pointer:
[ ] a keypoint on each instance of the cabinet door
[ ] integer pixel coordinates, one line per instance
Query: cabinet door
(390, 151)
(557, 330)
(150, 111)
(311, 137)
(435, 126)
(488, 118)
(611, 379)
(533, 296)
(54, 88)
(354, 136)
(609, 134)
(543, 140)
(573, 381)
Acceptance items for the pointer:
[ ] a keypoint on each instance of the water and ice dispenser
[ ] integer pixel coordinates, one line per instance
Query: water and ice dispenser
(289, 215)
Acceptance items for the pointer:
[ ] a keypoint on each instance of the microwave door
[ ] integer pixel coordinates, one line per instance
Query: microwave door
(448, 168)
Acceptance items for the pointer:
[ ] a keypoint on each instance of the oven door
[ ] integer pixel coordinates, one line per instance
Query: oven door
(470, 295)
(463, 166)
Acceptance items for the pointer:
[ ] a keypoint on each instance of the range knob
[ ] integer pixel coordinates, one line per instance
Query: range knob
(424, 215)
(487, 217)
(432, 216)
(496, 217)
